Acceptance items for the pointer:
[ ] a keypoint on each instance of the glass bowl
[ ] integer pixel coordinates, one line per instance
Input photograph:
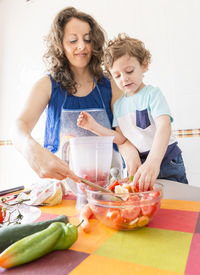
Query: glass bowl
(125, 211)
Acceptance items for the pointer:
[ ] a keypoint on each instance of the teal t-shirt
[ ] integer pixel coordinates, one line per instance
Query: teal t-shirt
(136, 114)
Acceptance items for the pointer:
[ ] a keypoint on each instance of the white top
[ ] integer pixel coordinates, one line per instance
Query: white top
(136, 114)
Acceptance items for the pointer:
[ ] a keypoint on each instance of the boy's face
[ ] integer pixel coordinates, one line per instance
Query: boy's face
(128, 74)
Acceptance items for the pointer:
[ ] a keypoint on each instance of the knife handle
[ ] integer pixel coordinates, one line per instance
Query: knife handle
(8, 191)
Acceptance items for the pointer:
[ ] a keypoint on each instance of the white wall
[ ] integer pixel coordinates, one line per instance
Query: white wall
(169, 29)
(190, 148)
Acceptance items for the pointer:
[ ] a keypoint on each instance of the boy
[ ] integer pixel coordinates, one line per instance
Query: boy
(141, 115)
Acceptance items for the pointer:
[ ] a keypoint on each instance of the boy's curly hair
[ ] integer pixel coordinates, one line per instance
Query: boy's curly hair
(55, 58)
(122, 45)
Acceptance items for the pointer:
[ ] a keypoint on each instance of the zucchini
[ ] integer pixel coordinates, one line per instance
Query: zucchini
(13, 233)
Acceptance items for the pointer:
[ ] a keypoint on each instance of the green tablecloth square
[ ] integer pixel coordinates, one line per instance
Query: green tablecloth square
(164, 249)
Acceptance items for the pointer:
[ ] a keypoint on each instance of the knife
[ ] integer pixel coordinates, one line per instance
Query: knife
(14, 189)
(100, 188)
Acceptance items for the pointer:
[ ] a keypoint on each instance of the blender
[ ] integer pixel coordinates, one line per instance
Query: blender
(90, 158)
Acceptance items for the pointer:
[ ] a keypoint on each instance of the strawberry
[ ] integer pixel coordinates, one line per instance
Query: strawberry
(2, 214)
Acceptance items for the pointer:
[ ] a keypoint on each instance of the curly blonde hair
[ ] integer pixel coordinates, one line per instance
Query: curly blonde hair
(122, 45)
(55, 58)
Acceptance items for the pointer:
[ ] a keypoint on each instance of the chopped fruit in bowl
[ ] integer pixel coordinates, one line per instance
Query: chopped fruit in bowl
(125, 209)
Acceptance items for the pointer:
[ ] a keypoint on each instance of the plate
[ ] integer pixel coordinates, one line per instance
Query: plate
(29, 214)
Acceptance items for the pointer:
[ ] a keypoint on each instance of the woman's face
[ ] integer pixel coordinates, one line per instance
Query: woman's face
(77, 43)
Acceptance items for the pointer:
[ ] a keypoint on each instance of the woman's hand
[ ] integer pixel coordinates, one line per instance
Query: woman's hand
(46, 164)
(41, 160)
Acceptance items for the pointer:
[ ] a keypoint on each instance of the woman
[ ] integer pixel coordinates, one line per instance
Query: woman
(76, 82)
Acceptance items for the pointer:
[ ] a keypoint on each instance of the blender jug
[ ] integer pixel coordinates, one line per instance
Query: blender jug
(90, 158)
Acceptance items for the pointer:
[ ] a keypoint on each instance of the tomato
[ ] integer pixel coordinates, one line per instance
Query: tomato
(115, 219)
(136, 187)
(93, 176)
(98, 210)
(113, 184)
(146, 210)
(2, 214)
(112, 214)
(155, 208)
(146, 207)
(120, 221)
(128, 187)
(131, 213)
(133, 197)
(151, 207)
(155, 194)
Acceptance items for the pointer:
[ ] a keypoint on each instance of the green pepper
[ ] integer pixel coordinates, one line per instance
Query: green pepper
(69, 236)
(131, 178)
(57, 236)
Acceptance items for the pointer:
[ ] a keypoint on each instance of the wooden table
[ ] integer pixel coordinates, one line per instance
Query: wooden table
(169, 245)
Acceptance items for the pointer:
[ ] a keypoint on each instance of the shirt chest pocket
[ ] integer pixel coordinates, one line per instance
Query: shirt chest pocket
(142, 119)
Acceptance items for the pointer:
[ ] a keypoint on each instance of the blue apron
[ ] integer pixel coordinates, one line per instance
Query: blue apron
(68, 123)
(69, 119)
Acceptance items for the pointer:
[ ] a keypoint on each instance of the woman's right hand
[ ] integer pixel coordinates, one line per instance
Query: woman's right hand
(41, 160)
(46, 164)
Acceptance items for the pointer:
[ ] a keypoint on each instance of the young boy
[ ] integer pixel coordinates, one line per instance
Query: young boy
(141, 115)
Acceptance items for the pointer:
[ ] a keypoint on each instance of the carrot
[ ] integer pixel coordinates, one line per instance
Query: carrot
(85, 214)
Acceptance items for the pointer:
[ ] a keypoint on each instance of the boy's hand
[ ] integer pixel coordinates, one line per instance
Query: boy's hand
(132, 163)
(85, 121)
(146, 175)
(131, 157)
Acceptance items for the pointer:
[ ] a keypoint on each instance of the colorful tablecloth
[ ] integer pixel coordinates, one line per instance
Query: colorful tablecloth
(170, 244)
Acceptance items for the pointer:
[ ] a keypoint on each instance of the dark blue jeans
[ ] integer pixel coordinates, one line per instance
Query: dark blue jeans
(174, 170)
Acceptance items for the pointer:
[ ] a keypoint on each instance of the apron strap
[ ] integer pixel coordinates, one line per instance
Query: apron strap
(100, 94)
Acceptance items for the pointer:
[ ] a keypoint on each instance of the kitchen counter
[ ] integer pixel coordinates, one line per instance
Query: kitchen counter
(178, 191)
